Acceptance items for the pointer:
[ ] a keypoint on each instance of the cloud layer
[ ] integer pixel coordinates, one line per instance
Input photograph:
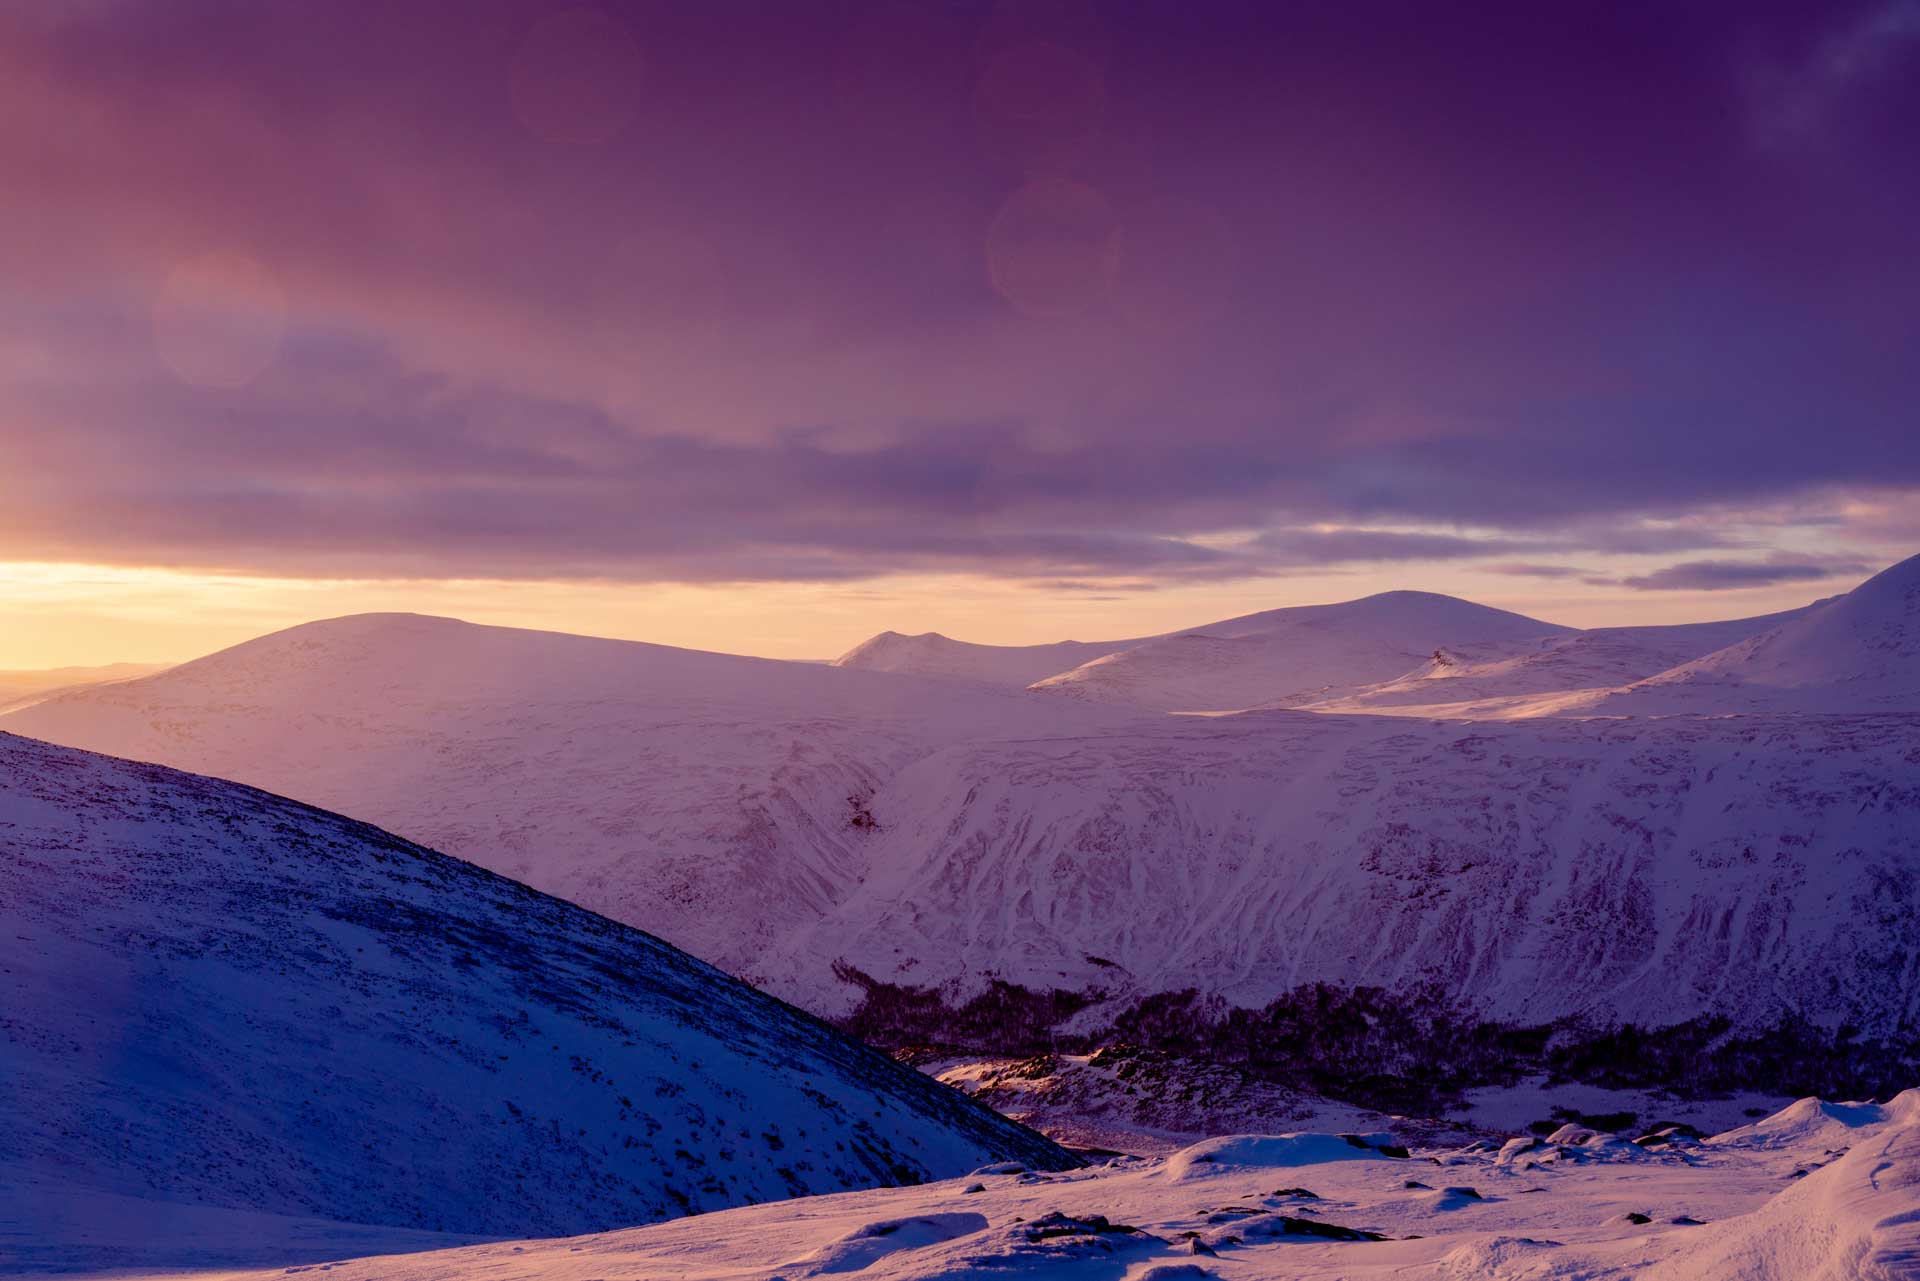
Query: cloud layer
(1120, 296)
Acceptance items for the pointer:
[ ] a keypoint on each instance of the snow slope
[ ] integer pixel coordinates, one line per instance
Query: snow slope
(1636, 870)
(1856, 1219)
(1011, 666)
(1856, 653)
(777, 817)
(1284, 657)
(214, 996)
(1603, 658)
(1269, 1208)
(711, 799)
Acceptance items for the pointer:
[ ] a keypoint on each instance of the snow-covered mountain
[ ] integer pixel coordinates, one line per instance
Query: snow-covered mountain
(21, 688)
(1856, 653)
(775, 818)
(1277, 657)
(1009, 666)
(1637, 870)
(1601, 658)
(1849, 654)
(714, 800)
(1284, 657)
(210, 995)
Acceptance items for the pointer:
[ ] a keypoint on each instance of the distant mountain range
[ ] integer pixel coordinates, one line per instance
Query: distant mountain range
(1632, 823)
(22, 688)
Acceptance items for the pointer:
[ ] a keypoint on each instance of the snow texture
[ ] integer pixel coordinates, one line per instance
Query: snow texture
(1712, 1212)
(210, 995)
(774, 818)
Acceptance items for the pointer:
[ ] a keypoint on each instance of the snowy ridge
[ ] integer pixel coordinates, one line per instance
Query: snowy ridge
(25, 688)
(1284, 657)
(1602, 658)
(1010, 666)
(1857, 653)
(210, 995)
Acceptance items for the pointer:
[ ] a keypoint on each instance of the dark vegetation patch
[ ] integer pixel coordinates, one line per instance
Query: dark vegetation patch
(1411, 1052)
(1010, 1018)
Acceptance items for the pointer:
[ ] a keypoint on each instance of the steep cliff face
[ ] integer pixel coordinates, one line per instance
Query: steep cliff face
(1630, 870)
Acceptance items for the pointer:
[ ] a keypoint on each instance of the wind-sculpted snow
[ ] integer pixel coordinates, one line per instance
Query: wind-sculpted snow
(1631, 870)
(212, 995)
(1855, 1217)
(711, 799)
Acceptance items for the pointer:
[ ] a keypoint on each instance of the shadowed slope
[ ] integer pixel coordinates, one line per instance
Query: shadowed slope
(213, 995)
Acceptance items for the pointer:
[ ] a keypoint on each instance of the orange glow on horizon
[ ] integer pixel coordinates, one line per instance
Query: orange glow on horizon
(58, 615)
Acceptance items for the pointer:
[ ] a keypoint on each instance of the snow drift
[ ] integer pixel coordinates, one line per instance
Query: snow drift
(1857, 1218)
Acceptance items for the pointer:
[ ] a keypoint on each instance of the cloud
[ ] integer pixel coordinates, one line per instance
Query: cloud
(1292, 547)
(1795, 101)
(1728, 575)
(333, 290)
(1521, 570)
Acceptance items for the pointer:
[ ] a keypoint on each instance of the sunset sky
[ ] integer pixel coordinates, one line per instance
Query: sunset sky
(763, 327)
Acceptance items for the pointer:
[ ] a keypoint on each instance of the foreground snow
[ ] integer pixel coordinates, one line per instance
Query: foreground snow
(1789, 1200)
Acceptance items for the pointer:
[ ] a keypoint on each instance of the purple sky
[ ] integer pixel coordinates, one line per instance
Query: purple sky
(1122, 295)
